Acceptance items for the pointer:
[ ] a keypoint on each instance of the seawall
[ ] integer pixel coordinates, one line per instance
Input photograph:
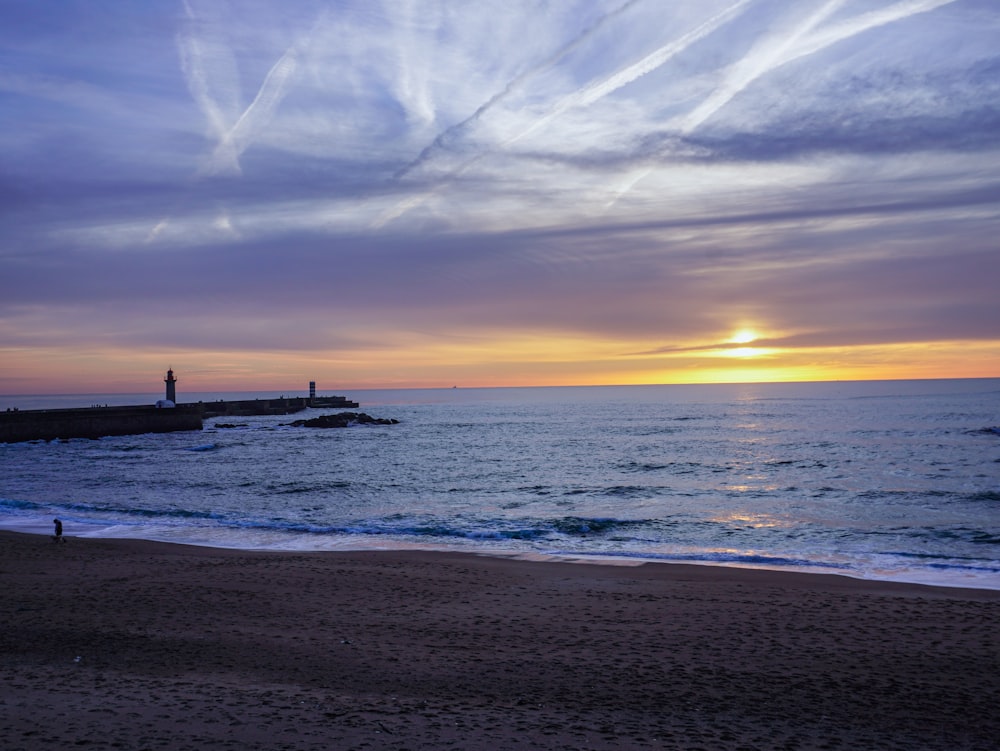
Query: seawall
(283, 406)
(95, 422)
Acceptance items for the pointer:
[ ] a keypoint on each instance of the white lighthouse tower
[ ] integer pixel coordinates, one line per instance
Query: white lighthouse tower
(171, 386)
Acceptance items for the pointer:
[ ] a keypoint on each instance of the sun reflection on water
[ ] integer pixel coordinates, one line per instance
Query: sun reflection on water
(756, 521)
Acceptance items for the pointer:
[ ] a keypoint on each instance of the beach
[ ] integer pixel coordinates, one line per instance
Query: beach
(143, 645)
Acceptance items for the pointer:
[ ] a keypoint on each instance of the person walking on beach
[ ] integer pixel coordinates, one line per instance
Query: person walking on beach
(58, 535)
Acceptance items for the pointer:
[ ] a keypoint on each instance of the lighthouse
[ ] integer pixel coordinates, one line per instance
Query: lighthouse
(171, 388)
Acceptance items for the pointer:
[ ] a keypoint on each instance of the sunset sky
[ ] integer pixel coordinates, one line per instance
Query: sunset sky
(469, 192)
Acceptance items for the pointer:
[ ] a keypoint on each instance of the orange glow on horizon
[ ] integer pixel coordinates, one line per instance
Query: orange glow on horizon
(747, 352)
(496, 362)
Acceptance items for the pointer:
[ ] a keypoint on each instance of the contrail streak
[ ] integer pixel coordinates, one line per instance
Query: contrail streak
(235, 134)
(651, 62)
(236, 140)
(512, 85)
(193, 55)
(866, 21)
(194, 73)
(586, 95)
(192, 59)
(752, 67)
(805, 41)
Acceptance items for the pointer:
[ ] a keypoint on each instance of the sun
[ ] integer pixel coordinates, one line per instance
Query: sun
(744, 337)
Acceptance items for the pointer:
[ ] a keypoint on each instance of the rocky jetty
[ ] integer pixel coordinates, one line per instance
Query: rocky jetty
(342, 420)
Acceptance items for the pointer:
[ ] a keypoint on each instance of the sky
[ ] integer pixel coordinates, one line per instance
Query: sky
(420, 193)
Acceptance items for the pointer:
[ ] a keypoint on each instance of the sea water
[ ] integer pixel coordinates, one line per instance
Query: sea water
(888, 480)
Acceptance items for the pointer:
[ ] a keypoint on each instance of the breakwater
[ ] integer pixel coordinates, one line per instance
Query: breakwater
(97, 422)
(280, 406)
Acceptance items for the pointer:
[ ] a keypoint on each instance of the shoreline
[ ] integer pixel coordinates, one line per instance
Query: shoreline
(710, 570)
(141, 644)
(950, 581)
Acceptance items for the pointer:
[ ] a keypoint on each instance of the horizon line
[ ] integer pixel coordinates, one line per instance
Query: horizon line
(540, 386)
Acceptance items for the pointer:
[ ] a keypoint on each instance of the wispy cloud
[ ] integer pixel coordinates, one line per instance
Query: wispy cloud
(214, 84)
(596, 91)
(805, 38)
(580, 98)
(635, 175)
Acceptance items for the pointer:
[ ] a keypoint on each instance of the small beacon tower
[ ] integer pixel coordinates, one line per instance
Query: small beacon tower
(171, 387)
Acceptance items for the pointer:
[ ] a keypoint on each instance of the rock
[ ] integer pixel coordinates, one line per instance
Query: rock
(342, 420)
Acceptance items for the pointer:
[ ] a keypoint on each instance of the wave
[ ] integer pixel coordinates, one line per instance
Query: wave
(115, 512)
(750, 559)
(393, 525)
(202, 447)
(527, 530)
(6, 503)
(297, 487)
(963, 534)
(616, 491)
(991, 430)
(642, 467)
(964, 566)
(493, 529)
(986, 495)
(965, 563)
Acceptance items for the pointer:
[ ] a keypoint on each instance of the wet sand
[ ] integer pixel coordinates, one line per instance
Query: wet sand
(117, 644)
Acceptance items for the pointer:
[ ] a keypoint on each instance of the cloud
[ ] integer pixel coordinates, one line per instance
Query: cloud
(802, 39)
(213, 80)
(586, 95)
(454, 132)
(636, 173)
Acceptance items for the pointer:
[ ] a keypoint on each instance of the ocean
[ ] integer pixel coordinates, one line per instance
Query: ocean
(894, 480)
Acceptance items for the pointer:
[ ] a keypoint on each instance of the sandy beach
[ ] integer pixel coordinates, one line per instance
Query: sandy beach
(123, 644)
